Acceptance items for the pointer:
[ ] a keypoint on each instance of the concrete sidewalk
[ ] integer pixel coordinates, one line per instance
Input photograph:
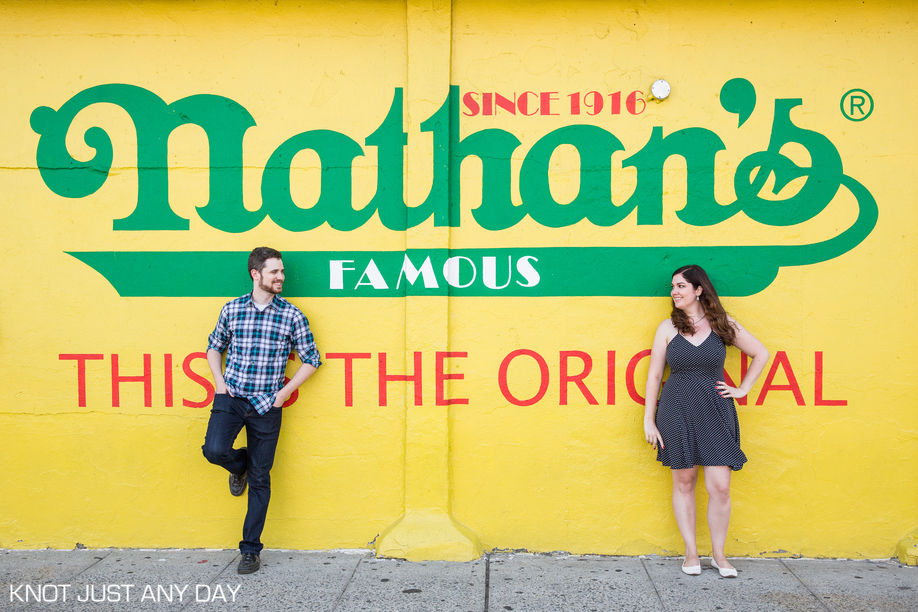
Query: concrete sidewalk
(352, 581)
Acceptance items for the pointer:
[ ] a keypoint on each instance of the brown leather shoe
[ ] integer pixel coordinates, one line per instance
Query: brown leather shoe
(237, 483)
(249, 564)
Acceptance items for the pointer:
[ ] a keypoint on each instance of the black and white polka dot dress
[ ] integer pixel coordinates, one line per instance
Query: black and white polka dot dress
(698, 426)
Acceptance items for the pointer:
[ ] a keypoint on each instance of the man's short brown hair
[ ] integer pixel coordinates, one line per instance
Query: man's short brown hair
(259, 256)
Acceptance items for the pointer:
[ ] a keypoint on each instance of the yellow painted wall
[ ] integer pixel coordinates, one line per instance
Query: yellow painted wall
(822, 480)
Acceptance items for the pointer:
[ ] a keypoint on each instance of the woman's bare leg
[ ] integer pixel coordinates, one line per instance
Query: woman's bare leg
(717, 483)
(684, 482)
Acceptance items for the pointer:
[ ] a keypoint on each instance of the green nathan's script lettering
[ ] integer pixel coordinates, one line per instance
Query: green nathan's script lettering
(225, 123)
(548, 270)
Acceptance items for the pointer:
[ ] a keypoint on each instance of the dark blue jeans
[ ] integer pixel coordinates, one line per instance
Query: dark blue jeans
(227, 418)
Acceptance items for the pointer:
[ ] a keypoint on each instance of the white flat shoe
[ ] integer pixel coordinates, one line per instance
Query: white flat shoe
(726, 572)
(691, 570)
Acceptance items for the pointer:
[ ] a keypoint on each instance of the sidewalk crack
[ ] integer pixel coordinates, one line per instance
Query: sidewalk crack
(487, 584)
(652, 583)
(806, 586)
(348, 583)
(74, 576)
(214, 579)
(94, 563)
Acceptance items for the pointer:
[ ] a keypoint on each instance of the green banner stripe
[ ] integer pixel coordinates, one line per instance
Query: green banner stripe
(543, 271)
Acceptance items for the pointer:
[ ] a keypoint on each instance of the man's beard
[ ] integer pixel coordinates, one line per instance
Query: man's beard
(268, 288)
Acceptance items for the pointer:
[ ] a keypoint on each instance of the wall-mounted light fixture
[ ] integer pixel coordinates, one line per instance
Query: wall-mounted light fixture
(660, 89)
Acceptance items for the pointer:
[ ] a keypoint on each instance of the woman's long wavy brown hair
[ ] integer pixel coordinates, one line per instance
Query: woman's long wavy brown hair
(710, 302)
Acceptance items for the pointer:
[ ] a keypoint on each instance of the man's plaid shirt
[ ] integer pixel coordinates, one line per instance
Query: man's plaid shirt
(257, 344)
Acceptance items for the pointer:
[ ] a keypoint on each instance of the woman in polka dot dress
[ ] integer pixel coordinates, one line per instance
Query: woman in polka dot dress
(696, 422)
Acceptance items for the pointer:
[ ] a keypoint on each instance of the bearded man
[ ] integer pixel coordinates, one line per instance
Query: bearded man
(257, 332)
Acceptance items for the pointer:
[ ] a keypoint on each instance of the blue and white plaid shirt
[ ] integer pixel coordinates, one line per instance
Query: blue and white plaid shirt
(257, 344)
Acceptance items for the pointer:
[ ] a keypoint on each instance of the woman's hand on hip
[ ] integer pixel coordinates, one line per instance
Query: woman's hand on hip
(726, 390)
